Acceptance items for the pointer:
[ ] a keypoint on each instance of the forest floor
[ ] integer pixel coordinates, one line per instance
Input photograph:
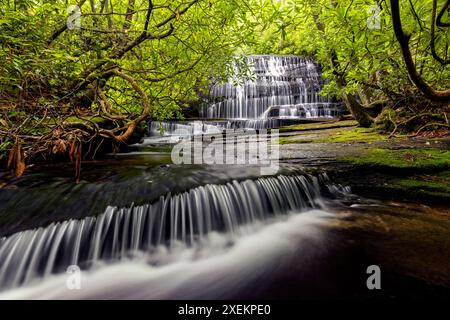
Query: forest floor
(372, 162)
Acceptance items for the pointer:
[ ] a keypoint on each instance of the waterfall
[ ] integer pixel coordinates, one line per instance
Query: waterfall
(121, 233)
(281, 90)
(288, 86)
(191, 128)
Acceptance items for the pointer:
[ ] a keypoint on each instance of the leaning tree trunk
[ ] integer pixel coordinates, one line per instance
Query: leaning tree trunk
(358, 111)
(403, 39)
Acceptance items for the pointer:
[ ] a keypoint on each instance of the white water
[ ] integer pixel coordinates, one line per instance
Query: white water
(121, 233)
(210, 271)
(190, 128)
(281, 90)
(288, 83)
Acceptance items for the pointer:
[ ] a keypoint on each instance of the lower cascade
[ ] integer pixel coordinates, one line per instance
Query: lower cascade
(187, 218)
(192, 128)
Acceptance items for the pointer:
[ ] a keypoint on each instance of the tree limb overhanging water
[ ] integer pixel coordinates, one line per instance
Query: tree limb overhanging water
(136, 139)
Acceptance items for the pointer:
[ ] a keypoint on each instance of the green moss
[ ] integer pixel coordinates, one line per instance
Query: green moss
(419, 159)
(436, 185)
(74, 119)
(384, 121)
(293, 139)
(319, 126)
(353, 135)
(338, 135)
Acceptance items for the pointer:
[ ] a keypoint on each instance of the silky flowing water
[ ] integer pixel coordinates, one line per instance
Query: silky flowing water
(199, 232)
(140, 227)
(223, 233)
(279, 90)
(187, 218)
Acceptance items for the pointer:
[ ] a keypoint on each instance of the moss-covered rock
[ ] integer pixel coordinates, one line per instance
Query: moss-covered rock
(411, 159)
(433, 185)
(354, 135)
(342, 134)
(385, 120)
(319, 126)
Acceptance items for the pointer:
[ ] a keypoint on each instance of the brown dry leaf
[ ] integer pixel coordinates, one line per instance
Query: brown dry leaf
(13, 154)
(78, 163)
(73, 146)
(20, 164)
(59, 146)
(16, 159)
(20, 169)
(11, 157)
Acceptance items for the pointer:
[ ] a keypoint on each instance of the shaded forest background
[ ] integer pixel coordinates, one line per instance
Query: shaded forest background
(76, 76)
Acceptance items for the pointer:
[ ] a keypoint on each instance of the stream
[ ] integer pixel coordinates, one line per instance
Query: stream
(138, 226)
(152, 230)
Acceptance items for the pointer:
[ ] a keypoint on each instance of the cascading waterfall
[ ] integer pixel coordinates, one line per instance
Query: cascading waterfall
(190, 128)
(281, 86)
(282, 90)
(121, 233)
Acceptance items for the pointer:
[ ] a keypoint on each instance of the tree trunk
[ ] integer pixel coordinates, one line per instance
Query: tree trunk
(357, 110)
(403, 39)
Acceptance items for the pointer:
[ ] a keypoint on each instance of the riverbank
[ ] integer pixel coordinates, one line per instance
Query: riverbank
(396, 217)
(372, 163)
(405, 228)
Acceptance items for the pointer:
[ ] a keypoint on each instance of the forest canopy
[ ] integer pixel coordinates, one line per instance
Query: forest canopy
(78, 74)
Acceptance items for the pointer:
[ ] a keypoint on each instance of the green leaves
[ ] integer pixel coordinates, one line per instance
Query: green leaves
(205, 40)
(362, 37)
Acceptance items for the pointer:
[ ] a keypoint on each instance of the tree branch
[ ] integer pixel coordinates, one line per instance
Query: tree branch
(439, 22)
(403, 39)
(134, 123)
(433, 37)
(63, 27)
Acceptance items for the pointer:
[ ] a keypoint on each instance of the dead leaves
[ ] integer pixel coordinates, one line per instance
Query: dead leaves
(78, 164)
(16, 159)
(59, 146)
(75, 157)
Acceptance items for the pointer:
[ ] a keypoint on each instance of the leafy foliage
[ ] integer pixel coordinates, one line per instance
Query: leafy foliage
(360, 34)
(122, 61)
(67, 79)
